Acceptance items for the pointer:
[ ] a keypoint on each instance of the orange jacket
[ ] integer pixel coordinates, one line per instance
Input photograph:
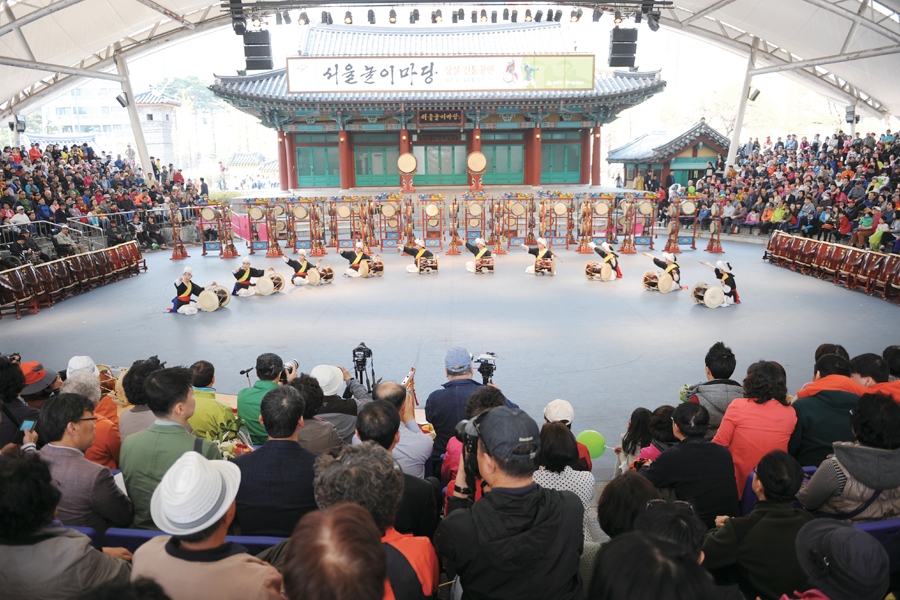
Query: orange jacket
(891, 388)
(839, 383)
(107, 444)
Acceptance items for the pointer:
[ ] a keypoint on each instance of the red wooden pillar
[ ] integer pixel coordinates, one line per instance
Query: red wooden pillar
(585, 172)
(282, 162)
(404, 141)
(476, 141)
(526, 167)
(346, 160)
(536, 157)
(595, 158)
(291, 149)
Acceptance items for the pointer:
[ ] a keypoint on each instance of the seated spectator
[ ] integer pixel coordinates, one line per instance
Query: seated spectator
(719, 390)
(823, 411)
(209, 413)
(336, 554)
(873, 372)
(276, 479)
(148, 454)
(446, 407)
(115, 235)
(367, 475)
(561, 411)
(637, 436)
(139, 417)
(89, 496)
(891, 356)
(861, 481)
(154, 232)
(107, 407)
(269, 369)
(555, 472)
(757, 551)
(379, 422)
(759, 423)
(139, 589)
(13, 383)
(661, 432)
(41, 559)
(107, 443)
(482, 399)
(697, 472)
(42, 383)
(842, 562)
(317, 435)
(339, 411)
(535, 534)
(66, 243)
(414, 448)
(194, 503)
(638, 565)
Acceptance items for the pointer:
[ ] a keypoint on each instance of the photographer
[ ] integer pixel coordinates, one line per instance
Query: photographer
(447, 407)
(339, 411)
(269, 370)
(520, 535)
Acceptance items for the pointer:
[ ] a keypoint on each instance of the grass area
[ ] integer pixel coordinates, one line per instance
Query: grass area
(226, 195)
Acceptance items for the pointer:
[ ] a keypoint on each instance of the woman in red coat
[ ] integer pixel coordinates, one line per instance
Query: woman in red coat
(763, 421)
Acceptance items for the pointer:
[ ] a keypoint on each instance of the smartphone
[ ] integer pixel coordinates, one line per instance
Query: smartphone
(27, 426)
(410, 375)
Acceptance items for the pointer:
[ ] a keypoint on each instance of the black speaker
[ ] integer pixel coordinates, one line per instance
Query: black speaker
(257, 38)
(623, 35)
(621, 61)
(260, 64)
(258, 50)
(622, 47)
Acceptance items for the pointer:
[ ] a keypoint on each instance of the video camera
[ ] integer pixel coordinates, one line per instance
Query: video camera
(487, 364)
(361, 355)
(467, 433)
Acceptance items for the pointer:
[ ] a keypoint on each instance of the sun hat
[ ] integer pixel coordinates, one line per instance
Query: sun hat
(36, 377)
(82, 364)
(194, 494)
(330, 378)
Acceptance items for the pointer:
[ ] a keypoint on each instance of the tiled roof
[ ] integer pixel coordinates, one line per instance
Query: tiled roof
(269, 167)
(660, 144)
(246, 159)
(154, 97)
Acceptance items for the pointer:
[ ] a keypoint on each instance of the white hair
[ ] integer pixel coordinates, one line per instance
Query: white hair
(83, 384)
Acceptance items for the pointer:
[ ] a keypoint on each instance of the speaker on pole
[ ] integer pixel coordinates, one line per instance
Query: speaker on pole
(258, 50)
(622, 47)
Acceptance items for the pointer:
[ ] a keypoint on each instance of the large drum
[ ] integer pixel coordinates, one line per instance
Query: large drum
(476, 162)
(300, 212)
(269, 284)
(688, 207)
(214, 299)
(475, 209)
(601, 208)
(710, 297)
(343, 211)
(517, 209)
(427, 265)
(407, 163)
(645, 208)
(371, 268)
(560, 208)
(256, 213)
(208, 213)
(389, 209)
(432, 210)
(650, 280)
(545, 266)
(277, 210)
(484, 265)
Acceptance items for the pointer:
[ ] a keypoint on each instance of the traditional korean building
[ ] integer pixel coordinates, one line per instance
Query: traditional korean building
(359, 96)
(682, 151)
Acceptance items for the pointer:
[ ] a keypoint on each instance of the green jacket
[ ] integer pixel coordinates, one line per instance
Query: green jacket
(822, 419)
(778, 215)
(757, 551)
(208, 412)
(145, 458)
(248, 402)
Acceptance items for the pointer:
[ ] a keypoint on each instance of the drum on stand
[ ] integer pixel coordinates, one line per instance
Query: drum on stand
(484, 265)
(428, 265)
(343, 211)
(601, 208)
(517, 209)
(255, 213)
(666, 283)
(475, 209)
(473, 223)
(432, 210)
(389, 210)
(407, 163)
(645, 208)
(300, 212)
(688, 207)
(560, 208)
(650, 280)
(476, 162)
(208, 213)
(277, 210)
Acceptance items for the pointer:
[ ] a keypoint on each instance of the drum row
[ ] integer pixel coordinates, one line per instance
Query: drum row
(29, 287)
(873, 272)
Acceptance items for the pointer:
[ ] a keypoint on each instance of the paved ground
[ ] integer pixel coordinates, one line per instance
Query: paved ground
(607, 348)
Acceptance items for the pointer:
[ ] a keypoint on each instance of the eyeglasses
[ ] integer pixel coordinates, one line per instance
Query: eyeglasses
(87, 419)
(676, 504)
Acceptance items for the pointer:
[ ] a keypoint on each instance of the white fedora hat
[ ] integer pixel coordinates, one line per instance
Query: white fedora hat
(330, 379)
(194, 493)
(82, 364)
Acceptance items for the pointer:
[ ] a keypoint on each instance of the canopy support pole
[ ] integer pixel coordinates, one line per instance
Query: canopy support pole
(742, 107)
(122, 68)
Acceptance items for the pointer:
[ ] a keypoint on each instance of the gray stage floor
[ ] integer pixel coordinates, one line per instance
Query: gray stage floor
(605, 347)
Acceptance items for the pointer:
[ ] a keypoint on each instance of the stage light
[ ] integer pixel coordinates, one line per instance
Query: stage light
(348, 18)
(257, 22)
(514, 16)
(239, 26)
(528, 16)
(576, 15)
(278, 20)
(439, 16)
(433, 18)
(287, 18)
(506, 14)
(493, 16)
(597, 14)
(618, 18)
(303, 20)
(474, 16)
(371, 17)
(455, 17)
(412, 18)
(647, 6)
(393, 16)
(538, 16)
(637, 17)
(416, 14)
(484, 16)
(754, 94)
(653, 21)
(326, 17)
(461, 14)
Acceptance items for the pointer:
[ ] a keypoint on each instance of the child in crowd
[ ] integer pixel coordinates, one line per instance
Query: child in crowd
(637, 436)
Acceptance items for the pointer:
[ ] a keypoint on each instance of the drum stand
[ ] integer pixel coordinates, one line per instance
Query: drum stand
(406, 183)
(178, 250)
(587, 226)
(627, 246)
(273, 248)
(714, 246)
(454, 230)
(476, 186)
(226, 237)
(497, 220)
(672, 242)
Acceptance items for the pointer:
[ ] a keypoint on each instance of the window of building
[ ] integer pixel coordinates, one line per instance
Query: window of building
(562, 135)
(66, 129)
(76, 92)
(375, 139)
(149, 116)
(80, 110)
(501, 136)
(63, 112)
(316, 139)
(107, 128)
(117, 128)
(104, 110)
(167, 117)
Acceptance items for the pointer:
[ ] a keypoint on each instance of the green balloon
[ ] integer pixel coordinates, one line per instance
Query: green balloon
(595, 442)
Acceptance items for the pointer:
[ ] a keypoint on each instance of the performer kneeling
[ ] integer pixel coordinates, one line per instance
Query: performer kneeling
(606, 253)
(184, 289)
(479, 249)
(301, 267)
(418, 251)
(243, 287)
(670, 267)
(723, 274)
(539, 253)
(355, 259)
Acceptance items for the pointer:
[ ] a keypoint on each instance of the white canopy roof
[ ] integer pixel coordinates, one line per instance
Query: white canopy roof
(65, 37)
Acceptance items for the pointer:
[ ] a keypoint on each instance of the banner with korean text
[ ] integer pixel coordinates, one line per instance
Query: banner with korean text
(342, 74)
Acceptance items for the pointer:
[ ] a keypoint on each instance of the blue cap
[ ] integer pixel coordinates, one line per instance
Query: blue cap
(457, 360)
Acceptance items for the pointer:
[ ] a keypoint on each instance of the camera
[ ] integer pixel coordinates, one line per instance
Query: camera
(467, 434)
(487, 364)
(360, 354)
(291, 366)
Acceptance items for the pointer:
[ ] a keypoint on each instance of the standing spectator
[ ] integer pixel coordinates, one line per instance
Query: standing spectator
(759, 423)
(147, 455)
(757, 551)
(269, 368)
(90, 497)
(317, 435)
(204, 188)
(194, 503)
(276, 479)
(719, 390)
(209, 413)
(129, 154)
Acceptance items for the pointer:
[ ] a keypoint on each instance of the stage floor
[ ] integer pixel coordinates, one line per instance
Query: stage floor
(605, 347)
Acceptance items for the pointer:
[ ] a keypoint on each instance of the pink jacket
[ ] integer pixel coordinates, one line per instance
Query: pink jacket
(750, 431)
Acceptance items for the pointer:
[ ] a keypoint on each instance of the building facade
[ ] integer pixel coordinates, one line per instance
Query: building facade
(346, 139)
(156, 111)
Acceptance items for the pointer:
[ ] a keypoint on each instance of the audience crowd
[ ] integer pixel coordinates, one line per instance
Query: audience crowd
(740, 490)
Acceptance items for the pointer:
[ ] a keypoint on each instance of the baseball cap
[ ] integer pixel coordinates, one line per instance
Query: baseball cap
(559, 411)
(82, 364)
(505, 430)
(457, 360)
(36, 377)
